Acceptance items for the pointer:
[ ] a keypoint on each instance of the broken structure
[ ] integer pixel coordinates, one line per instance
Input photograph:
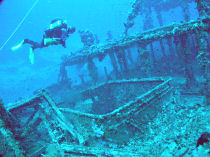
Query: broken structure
(131, 103)
(69, 130)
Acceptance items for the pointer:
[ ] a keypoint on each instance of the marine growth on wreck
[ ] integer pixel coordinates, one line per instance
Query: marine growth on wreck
(141, 89)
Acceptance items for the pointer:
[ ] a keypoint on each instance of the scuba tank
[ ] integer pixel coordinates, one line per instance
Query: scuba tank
(58, 23)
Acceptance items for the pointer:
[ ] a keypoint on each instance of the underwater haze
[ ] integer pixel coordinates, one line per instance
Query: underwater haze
(18, 78)
(108, 78)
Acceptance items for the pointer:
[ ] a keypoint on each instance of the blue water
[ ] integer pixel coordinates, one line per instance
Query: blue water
(18, 78)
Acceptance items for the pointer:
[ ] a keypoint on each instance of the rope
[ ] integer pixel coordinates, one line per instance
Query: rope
(21, 22)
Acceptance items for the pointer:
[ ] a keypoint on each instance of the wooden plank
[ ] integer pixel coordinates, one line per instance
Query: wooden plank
(98, 151)
(61, 119)
(141, 99)
(130, 81)
(31, 117)
(24, 102)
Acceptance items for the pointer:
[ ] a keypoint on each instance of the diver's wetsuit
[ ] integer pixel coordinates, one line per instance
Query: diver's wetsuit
(48, 34)
(59, 34)
(33, 43)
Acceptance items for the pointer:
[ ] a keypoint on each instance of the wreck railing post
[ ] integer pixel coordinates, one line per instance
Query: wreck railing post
(122, 60)
(203, 53)
(106, 74)
(130, 56)
(178, 46)
(187, 58)
(114, 63)
(144, 59)
(160, 20)
(162, 48)
(92, 71)
(152, 53)
(81, 76)
(171, 49)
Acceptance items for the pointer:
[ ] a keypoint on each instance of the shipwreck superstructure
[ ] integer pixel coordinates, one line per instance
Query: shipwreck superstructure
(109, 113)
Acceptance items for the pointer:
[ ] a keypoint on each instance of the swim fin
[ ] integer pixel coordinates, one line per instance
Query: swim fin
(18, 46)
(31, 55)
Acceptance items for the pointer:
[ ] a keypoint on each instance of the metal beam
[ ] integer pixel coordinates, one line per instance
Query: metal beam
(146, 37)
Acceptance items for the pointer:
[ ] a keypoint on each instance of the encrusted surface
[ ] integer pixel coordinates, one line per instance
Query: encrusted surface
(146, 37)
(65, 126)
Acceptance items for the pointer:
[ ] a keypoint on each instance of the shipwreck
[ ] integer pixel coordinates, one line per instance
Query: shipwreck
(110, 112)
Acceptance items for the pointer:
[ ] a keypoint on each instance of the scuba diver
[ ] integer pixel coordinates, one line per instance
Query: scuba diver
(57, 34)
